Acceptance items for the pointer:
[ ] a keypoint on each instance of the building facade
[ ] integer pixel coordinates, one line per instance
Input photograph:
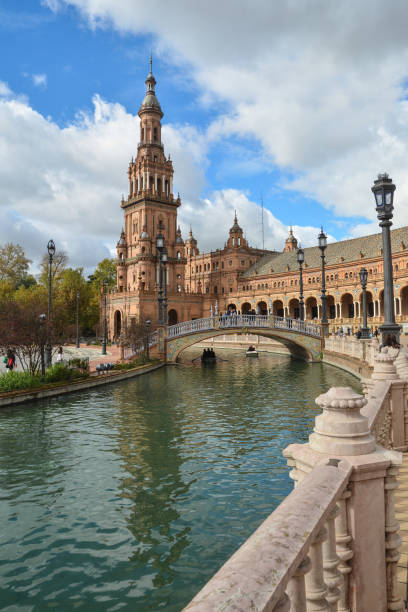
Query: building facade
(236, 276)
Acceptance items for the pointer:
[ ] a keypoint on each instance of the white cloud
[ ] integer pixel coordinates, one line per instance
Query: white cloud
(66, 183)
(5, 90)
(321, 85)
(40, 80)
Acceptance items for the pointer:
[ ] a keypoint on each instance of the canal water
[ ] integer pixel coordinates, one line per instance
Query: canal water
(130, 497)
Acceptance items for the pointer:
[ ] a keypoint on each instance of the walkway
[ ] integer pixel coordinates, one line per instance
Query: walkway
(94, 353)
(401, 508)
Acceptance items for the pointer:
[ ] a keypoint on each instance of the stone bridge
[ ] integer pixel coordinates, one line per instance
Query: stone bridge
(303, 339)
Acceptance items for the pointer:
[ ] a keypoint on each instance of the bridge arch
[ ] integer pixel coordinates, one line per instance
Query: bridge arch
(303, 347)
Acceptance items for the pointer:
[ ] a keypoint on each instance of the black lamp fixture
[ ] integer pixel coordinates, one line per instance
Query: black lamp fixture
(300, 259)
(322, 241)
(383, 190)
(48, 349)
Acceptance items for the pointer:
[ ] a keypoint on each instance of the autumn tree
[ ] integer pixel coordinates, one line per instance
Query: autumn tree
(106, 269)
(14, 264)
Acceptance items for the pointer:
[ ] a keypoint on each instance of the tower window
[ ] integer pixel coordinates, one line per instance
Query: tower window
(143, 134)
(155, 134)
(215, 289)
(155, 158)
(178, 255)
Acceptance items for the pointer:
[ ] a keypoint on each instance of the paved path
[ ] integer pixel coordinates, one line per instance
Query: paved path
(93, 352)
(401, 508)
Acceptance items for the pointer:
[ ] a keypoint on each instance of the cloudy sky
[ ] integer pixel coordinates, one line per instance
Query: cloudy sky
(296, 104)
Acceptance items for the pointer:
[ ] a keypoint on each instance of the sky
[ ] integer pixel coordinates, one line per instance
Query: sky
(295, 104)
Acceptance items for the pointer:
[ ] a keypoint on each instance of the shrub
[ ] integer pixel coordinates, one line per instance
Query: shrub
(14, 381)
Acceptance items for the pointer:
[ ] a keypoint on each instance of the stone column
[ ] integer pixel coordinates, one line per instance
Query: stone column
(342, 432)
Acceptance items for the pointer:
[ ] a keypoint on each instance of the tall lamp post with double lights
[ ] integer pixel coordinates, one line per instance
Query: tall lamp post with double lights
(105, 323)
(48, 348)
(322, 238)
(160, 247)
(164, 258)
(77, 319)
(383, 190)
(42, 318)
(300, 259)
(365, 332)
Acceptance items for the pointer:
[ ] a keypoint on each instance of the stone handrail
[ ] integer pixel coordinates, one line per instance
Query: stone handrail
(268, 572)
(189, 327)
(348, 345)
(316, 551)
(243, 321)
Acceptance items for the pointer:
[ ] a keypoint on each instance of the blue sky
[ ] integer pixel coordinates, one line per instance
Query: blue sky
(290, 115)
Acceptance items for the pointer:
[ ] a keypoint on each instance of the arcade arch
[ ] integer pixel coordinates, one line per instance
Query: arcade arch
(311, 310)
(172, 317)
(277, 308)
(117, 323)
(347, 306)
(262, 308)
(246, 308)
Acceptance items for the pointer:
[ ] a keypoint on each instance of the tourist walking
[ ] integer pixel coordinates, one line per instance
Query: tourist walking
(60, 355)
(10, 360)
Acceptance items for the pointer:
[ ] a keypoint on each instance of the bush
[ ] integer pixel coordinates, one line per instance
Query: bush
(80, 364)
(135, 363)
(14, 381)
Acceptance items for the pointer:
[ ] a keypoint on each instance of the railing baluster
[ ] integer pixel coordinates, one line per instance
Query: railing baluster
(296, 587)
(392, 541)
(316, 589)
(332, 576)
(344, 551)
(283, 605)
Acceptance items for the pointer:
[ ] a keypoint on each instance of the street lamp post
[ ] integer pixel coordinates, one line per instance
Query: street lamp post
(148, 323)
(42, 318)
(322, 238)
(77, 319)
(365, 332)
(48, 348)
(383, 190)
(160, 247)
(105, 325)
(300, 259)
(164, 306)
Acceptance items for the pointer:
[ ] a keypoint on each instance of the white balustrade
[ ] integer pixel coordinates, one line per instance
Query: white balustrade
(243, 320)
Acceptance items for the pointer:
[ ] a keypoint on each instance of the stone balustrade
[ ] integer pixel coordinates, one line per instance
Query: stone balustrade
(244, 321)
(365, 350)
(332, 544)
(139, 346)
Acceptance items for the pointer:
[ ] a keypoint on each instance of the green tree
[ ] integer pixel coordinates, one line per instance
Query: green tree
(14, 264)
(105, 269)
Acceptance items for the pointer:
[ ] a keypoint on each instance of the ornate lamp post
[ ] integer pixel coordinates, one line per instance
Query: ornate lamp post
(77, 319)
(322, 238)
(164, 306)
(383, 190)
(300, 259)
(105, 323)
(48, 348)
(148, 323)
(42, 318)
(160, 247)
(365, 332)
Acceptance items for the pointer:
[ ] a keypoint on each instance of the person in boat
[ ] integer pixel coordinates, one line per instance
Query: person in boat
(251, 349)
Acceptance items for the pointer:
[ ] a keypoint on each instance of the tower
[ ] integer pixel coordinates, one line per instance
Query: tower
(290, 242)
(236, 236)
(150, 208)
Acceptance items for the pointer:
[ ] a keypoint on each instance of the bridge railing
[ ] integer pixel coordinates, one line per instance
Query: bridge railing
(304, 327)
(189, 327)
(243, 320)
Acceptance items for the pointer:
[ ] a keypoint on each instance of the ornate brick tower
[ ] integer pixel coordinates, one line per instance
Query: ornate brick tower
(150, 207)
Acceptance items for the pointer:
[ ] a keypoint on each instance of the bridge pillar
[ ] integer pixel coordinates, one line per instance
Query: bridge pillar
(162, 343)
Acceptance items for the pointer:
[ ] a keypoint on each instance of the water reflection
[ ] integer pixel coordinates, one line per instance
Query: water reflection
(130, 497)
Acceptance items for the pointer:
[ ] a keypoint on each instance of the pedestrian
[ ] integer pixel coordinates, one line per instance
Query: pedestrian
(59, 355)
(11, 360)
(375, 333)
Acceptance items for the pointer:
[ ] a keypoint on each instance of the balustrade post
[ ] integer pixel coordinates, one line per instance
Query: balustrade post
(316, 589)
(342, 431)
(344, 550)
(392, 541)
(296, 587)
(283, 604)
(332, 576)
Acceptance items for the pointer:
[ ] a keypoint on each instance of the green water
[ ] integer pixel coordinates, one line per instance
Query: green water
(130, 497)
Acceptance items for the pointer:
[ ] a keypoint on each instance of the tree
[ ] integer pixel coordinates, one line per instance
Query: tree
(21, 331)
(106, 269)
(13, 264)
(59, 264)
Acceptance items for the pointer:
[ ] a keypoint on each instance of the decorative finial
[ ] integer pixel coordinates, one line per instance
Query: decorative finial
(235, 217)
(151, 62)
(291, 231)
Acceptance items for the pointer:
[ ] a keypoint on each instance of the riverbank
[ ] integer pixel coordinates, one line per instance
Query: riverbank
(18, 397)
